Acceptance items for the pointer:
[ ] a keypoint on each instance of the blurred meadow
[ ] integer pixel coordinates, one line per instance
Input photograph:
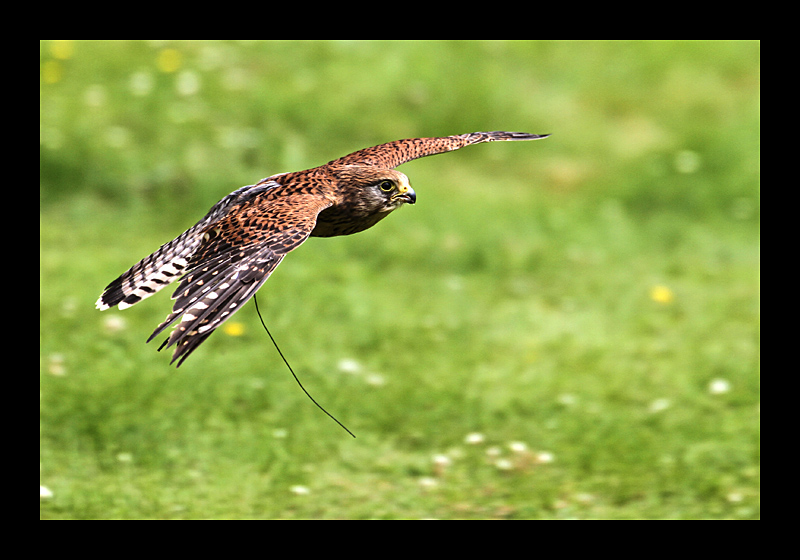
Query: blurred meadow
(560, 329)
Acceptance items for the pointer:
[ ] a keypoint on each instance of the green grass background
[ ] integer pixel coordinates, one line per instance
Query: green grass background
(589, 304)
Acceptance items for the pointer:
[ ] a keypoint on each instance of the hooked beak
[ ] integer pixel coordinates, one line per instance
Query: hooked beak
(407, 195)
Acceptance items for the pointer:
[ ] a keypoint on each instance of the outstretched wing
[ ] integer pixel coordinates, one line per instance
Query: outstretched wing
(396, 153)
(237, 255)
(163, 267)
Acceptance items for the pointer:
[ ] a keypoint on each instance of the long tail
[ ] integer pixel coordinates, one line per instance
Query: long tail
(153, 272)
(163, 267)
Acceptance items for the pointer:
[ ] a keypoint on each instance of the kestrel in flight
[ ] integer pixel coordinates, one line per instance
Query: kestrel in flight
(231, 252)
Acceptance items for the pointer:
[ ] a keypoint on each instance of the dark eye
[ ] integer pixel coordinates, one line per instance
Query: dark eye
(386, 186)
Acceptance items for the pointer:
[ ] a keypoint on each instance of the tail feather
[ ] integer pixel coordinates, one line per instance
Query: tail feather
(151, 274)
(164, 266)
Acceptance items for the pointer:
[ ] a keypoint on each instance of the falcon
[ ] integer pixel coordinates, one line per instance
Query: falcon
(225, 257)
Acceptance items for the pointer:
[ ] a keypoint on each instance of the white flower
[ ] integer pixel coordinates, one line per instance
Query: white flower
(428, 482)
(545, 457)
(567, 399)
(474, 438)
(659, 404)
(55, 365)
(735, 497)
(348, 365)
(375, 379)
(518, 446)
(114, 324)
(719, 386)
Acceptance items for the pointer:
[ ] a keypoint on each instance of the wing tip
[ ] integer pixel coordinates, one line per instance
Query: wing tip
(504, 135)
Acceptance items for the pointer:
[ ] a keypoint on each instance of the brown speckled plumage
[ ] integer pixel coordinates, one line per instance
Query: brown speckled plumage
(231, 252)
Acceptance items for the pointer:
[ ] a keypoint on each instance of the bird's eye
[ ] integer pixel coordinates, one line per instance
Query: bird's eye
(386, 186)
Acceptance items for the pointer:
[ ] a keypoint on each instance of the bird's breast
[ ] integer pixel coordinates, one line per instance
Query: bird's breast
(336, 220)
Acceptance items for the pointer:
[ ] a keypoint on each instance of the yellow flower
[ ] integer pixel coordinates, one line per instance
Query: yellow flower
(52, 71)
(662, 295)
(169, 60)
(232, 328)
(62, 49)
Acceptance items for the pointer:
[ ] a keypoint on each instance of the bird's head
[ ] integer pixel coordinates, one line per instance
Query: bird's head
(364, 196)
(394, 189)
(376, 190)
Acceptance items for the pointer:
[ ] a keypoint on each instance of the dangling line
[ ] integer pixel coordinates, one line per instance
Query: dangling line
(291, 370)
